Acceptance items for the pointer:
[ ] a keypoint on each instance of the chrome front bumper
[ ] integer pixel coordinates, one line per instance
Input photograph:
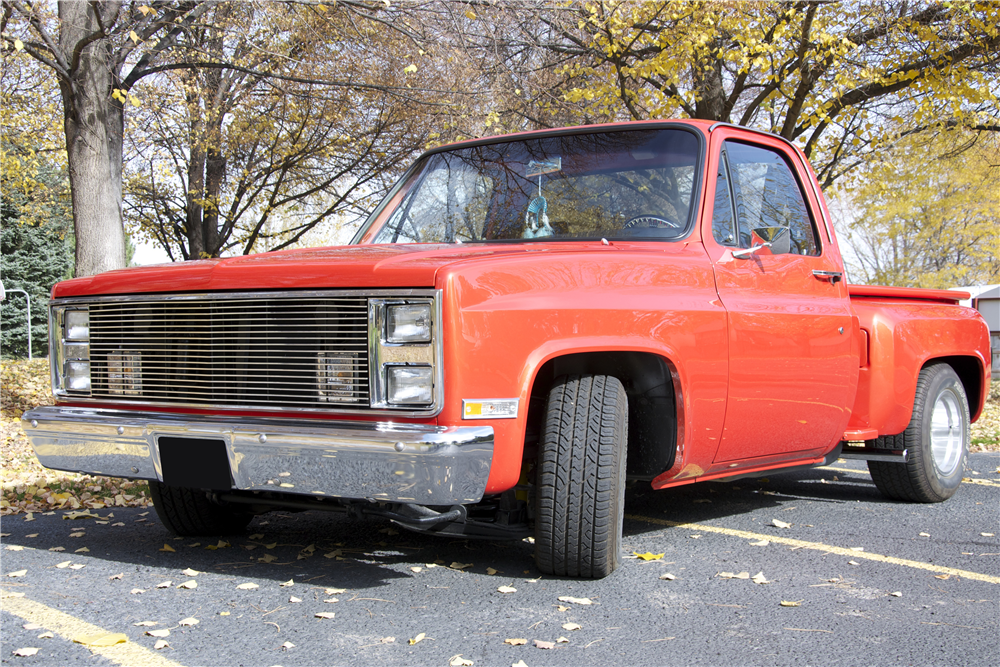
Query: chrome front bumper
(385, 461)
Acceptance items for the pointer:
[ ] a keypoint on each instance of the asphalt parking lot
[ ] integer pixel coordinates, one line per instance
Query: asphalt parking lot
(811, 568)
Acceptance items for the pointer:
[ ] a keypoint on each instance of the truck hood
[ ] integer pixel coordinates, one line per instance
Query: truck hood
(362, 266)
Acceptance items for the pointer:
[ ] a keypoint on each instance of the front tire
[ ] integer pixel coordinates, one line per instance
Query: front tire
(581, 477)
(190, 512)
(936, 440)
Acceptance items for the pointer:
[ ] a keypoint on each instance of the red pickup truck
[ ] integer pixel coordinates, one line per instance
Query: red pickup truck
(523, 324)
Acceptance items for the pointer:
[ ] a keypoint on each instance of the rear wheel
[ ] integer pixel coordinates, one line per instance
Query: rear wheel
(191, 512)
(581, 477)
(936, 440)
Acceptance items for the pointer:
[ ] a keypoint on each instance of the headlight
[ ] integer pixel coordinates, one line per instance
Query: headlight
(410, 385)
(70, 350)
(405, 348)
(409, 323)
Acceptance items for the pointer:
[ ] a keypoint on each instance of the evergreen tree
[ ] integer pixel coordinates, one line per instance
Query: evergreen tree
(36, 255)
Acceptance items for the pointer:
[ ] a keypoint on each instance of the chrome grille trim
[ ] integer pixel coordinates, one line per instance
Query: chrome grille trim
(250, 350)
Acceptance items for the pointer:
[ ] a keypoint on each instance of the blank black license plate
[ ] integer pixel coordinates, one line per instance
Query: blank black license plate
(196, 463)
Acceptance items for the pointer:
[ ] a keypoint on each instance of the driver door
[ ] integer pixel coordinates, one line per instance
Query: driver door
(791, 365)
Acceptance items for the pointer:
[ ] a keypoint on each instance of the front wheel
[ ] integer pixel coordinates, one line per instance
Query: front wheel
(581, 477)
(936, 440)
(190, 512)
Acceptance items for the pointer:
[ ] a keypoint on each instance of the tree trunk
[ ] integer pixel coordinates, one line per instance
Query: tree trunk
(94, 123)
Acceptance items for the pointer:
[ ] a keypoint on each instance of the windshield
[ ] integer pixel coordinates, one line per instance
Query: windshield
(635, 183)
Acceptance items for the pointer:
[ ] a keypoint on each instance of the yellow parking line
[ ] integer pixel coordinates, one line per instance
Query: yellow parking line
(819, 546)
(67, 627)
(966, 480)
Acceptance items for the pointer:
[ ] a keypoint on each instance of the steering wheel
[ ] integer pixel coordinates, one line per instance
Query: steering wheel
(650, 221)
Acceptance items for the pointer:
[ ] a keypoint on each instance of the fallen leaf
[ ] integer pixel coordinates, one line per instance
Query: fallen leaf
(31, 626)
(137, 591)
(388, 640)
(857, 548)
(78, 534)
(695, 537)
(191, 573)
(271, 545)
(562, 640)
(145, 624)
(760, 543)
(416, 640)
(249, 586)
(268, 558)
(324, 614)
(80, 515)
(19, 573)
(63, 565)
(790, 603)
(334, 591)
(101, 639)
(287, 645)
(160, 644)
(116, 576)
(730, 575)
(257, 536)
(573, 600)
(120, 523)
(507, 589)
(58, 549)
(667, 576)
(571, 626)
(562, 608)
(46, 635)
(189, 584)
(285, 584)
(331, 600)
(516, 642)
(545, 645)
(158, 633)
(164, 584)
(25, 652)
(333, 554)
(223, 613)
(759, 578)
(897, 594)
(459, 661)
(853, 562)
(490, 571)
(294, 599)
(459, 566)
(986, 534)
(77, 566)
(15, 547)
(190, 620)
(925, 534)
(648, 556)
(519, 663)
(192, 545)
(167, 547)
(417, 569)
(780, 524)
(942, 576)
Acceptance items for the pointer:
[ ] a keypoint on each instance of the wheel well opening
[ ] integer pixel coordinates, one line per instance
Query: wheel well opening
(652, 405)
(969, 372)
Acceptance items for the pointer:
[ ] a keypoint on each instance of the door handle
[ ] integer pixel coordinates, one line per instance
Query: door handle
(833, 276)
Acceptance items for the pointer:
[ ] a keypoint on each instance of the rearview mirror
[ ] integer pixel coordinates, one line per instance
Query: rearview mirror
(775, 240)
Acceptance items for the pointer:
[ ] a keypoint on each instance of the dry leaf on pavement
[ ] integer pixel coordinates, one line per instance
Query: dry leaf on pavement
(334, 591)
(164, 584)
(562, 640)
(573, 600)
(516, 642)
(19, 573)
(730, 575)
(490, 571)
(63, 565)
(101, 639)
(759, 578)
(459, 566)
(294, 599)
(190, 620)
(249, 586)
(288, 645)
(158, 633)
(545, 645)
(324, 614)
(780, 524)
(571, 626)
(145, 624)
(189, 584)
(668, 576)
(791, 603)
(25, 652)
(137, 591)
(507, 589)
(459, 661)
(647, 556)
(161, 644)
(519, 663)
(46, 635)
(290, 582)
(190, 573)
(167, 547)
(419, 638)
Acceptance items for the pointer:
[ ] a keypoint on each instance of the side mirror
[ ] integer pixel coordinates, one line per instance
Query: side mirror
(777, 240)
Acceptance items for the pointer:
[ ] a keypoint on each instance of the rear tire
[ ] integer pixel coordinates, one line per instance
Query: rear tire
(936, 440)
(581, 477)
(190, 512)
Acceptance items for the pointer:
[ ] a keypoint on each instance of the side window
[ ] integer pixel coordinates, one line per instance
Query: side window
(722, 212)
(768, 195)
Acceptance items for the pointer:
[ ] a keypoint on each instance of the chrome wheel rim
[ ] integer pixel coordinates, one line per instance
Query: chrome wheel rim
(947, 433)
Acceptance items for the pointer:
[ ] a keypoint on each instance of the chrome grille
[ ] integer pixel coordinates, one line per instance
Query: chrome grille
(286, 351)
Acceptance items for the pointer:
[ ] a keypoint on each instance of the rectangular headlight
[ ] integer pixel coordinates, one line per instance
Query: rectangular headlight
(78, 375)
(408, 323)
(77, 324)
(410, 385)
(70, 348)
